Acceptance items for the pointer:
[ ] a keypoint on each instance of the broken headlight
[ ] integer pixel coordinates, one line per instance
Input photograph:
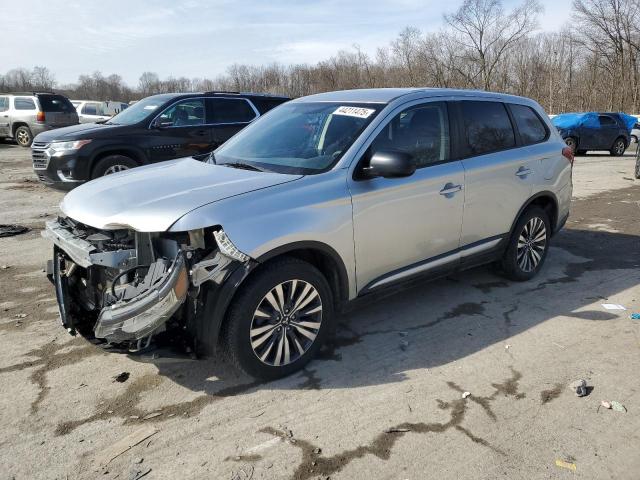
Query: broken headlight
(228, 248)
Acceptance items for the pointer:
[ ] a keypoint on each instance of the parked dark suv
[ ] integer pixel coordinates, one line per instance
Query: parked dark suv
(157, 128)
(595, 131)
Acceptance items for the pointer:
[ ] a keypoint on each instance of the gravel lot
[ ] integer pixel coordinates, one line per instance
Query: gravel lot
(367, 408)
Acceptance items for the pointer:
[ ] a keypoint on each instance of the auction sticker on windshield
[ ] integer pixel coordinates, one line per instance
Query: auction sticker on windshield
(354, 111)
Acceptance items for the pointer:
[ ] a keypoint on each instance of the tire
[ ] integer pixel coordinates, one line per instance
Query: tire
(634, 139)
(618, 148)
(572, 143)
(113, 164)
(266, 357)
(519, 264)
(23, 136)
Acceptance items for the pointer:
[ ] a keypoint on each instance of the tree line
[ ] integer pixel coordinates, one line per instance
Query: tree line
(591, 64)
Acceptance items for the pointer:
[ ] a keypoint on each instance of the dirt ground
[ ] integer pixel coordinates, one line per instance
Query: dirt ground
(372, 407)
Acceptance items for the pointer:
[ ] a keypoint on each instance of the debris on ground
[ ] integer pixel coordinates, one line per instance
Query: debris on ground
(635, 316)
(605, 404)
(152, 415)
(121, 377)
(135, 473)
(317, 451)
(567, 465)
(404, 344)
(20, 315)
(618, 407)
(466, 394)
(612, 306)
(403, 334)
(138, 460)
(12, 230)
(4, 267)
(245, 473)
(579, 387)
(123, 445)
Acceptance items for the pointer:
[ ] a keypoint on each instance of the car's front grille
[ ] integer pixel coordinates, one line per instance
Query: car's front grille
(39, 155)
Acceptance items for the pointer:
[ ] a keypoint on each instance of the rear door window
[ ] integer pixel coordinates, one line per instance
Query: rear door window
(607, 121)
(230, 110)
(486, 127)
(530, 127)
(55, 103)
(20, 103)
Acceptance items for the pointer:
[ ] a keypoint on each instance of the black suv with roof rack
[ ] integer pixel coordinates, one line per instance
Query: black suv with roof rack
(157, 128)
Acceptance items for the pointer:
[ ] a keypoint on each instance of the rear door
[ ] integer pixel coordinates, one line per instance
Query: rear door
(180, 131)
(499, 175)
(58, 110)
(4, 117)
(227, 116)
(608, 132)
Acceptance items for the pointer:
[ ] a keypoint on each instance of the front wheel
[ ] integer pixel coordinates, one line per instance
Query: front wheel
(528, 246)
(572, 143)
(113, 164)
(618, 148)
(279, 319)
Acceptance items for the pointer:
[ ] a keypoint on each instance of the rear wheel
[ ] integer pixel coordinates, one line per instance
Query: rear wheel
(23, 136)
(113, 164)
(572, 143)
(528, 245)
(618, 148)
(279, 319)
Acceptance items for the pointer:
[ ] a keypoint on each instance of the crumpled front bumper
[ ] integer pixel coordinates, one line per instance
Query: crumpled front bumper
(125, 320)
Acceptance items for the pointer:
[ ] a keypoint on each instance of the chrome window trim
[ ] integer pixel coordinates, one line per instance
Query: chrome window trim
(253, 107)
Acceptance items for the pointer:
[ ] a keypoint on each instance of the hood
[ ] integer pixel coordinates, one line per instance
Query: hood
(152, 198)
(75, 132)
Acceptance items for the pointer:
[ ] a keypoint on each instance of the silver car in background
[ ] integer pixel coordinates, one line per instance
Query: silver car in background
(92, 111)
(323, 200)
(25, 115)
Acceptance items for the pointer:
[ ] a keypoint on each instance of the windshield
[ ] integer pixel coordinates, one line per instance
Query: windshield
(139, 110)
(298, 138)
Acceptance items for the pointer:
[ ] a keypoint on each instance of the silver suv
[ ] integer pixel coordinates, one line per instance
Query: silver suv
(24, 115)
(323, 200)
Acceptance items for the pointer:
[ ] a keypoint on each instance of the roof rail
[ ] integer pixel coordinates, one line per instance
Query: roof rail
(222, 92)
(27, 93)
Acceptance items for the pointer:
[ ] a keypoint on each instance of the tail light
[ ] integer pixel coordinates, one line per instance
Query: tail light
(40, 117)
(567, 152)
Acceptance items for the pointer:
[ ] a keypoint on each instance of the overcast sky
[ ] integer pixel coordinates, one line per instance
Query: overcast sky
(201, 38)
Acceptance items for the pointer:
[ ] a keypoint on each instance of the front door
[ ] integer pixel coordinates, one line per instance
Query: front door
(407, 225)
(180, 131)
(227, 116)
(4, 117)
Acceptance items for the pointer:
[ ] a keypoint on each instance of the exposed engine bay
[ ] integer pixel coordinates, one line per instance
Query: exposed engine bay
(122, 287)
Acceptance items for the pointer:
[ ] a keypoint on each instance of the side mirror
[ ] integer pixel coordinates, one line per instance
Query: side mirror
(159, 124)
(390, 164)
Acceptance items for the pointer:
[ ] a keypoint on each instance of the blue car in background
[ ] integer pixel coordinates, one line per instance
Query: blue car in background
(595, 131)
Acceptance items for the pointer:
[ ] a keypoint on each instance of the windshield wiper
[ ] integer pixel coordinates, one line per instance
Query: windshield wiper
(243, 166)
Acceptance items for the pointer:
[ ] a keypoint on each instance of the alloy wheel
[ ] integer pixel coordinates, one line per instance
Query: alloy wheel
(531, 244)
(286, 323)
(22, 137)
(115, 169)
(619, 147)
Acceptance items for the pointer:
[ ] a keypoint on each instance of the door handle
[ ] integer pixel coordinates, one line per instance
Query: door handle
(523, 172)
(449, 189)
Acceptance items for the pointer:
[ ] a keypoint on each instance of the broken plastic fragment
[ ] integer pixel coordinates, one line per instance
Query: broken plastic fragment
(466, 394)
(618, 407)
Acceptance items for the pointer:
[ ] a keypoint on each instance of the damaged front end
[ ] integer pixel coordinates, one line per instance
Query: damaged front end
(122, 288)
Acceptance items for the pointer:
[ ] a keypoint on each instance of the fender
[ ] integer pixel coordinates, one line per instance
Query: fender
(544, 193)
(135, 152)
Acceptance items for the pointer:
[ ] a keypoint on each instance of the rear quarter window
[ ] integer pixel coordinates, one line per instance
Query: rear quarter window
(486, 127)
(264, 104)
(231, 110)
(531, 128)
(24, 104)
(4, 104)
(55, 103)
